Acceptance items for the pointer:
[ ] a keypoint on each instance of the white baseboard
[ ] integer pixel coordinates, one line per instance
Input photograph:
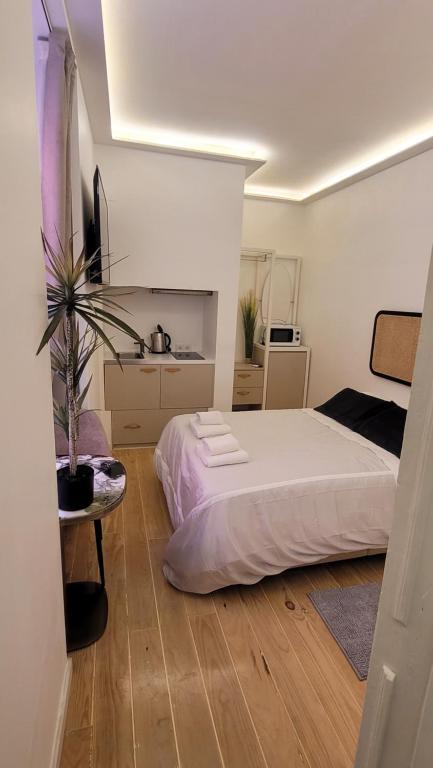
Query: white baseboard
(61, 716)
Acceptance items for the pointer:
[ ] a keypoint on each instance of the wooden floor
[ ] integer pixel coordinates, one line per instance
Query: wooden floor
(248, 676)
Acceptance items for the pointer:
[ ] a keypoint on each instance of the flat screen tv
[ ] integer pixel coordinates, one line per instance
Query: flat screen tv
(98, 241)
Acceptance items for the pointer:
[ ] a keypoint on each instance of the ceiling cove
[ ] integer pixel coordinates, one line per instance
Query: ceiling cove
(309, 98)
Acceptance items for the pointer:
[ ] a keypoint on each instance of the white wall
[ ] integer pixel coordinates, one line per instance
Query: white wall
(279, 226)
(367, 247)
(32, 642)
(179, 221)
(273, 226)
(182, 317)
(83, 168)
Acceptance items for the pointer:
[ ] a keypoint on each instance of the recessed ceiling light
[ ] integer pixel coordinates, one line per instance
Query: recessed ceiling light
(394, 150)
(273, 193)
(188, 142)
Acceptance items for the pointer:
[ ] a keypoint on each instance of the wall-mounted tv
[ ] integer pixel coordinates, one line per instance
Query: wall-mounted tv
(98, 240)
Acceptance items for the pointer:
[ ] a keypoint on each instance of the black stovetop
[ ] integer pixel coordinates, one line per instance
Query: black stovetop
(187, 356)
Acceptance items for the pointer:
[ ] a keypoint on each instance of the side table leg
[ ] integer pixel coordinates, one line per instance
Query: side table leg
(98, 536)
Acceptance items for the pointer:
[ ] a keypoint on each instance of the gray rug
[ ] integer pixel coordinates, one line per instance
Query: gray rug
(350, 615)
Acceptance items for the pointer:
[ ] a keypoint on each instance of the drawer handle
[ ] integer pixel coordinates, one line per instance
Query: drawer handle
(172, 370)
(148, 370)
(244, 375)
(132, 426)
(243, 392)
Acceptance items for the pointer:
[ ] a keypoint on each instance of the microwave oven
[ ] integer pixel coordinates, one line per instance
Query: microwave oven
(282, 335)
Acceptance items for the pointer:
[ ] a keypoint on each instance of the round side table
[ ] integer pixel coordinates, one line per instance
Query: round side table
(86, 602)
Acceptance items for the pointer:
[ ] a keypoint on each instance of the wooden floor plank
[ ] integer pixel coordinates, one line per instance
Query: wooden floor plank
(300, 585)
(195, 733)
(164, 508)
(369, 570)
(345, 574)
(155, 745)
(133, 517)
(140, 595)
(113, 735)
(157, 520)
(275, 730)
(69, 543)
(85, 565)
(80, 706)
(141, 602)
(319, 739)
(77, 749)
(113, 523)
(198, 605)
(236, 735)
(330, 688)
(320, 577)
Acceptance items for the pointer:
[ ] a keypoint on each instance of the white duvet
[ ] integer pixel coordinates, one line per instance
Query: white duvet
(311, 489)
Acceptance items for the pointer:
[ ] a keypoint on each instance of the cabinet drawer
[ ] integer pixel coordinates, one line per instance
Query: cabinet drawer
(253, 378)
(132, 427)
(187, 386)
(137, 386)
(247, 395)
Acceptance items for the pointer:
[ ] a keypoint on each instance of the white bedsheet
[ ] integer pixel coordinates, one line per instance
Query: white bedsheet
(312, 488)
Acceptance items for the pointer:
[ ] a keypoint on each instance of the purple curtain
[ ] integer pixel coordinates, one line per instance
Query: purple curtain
(56, 140)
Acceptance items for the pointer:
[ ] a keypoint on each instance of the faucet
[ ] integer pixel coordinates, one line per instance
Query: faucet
(142, 345)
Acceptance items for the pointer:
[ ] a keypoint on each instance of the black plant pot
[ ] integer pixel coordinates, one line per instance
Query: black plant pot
(75, 492)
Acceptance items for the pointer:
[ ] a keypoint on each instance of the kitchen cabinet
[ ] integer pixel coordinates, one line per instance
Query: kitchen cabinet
(132, 427)
(144, 397)
(134, 387)
(286, 376)
(187, 386)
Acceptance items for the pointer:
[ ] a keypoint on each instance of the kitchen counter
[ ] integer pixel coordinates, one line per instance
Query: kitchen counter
(163, 359)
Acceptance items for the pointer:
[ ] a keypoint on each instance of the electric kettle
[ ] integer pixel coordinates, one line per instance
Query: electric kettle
(161, 341)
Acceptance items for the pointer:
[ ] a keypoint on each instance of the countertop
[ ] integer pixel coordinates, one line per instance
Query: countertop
(163, 359)
(282, 348)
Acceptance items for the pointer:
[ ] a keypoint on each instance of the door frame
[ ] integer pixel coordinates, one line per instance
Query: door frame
(396, 729)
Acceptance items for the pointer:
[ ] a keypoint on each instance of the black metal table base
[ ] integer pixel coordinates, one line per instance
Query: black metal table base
(86, 613)
(86, 605)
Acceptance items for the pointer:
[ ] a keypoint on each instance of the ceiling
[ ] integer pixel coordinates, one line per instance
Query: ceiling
(322, 91)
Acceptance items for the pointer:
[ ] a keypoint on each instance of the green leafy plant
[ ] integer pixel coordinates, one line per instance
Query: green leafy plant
(249, 309)
(75, 332)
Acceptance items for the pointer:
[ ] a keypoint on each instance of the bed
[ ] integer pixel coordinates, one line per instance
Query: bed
(313, 489)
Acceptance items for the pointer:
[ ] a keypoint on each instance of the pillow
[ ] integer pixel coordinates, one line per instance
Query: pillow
(386, 428)
(352, 408)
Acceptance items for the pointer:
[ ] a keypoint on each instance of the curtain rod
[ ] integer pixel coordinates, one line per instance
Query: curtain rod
(47, 16)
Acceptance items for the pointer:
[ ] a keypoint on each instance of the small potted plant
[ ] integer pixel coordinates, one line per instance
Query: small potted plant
(249, 309)
(75, 332)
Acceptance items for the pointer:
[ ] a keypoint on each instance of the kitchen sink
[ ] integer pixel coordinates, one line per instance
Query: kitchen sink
(130, 356)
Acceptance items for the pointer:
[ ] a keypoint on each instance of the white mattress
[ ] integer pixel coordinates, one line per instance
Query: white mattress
(311, 489)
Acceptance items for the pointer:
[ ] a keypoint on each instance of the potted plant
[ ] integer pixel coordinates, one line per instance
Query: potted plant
(75, 332)
(249, 309)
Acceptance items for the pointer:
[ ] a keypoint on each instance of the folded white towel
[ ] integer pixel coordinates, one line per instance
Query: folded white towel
(221, 444)
(210, 417)
(208, 430)
(234, 457)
